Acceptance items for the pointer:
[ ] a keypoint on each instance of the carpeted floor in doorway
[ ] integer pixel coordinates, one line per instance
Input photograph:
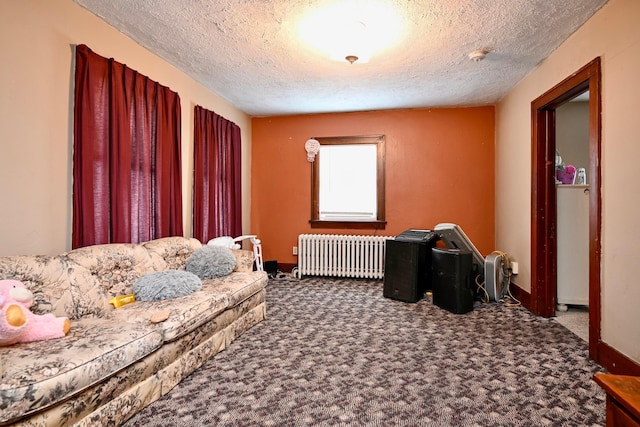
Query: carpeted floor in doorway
(335, 352)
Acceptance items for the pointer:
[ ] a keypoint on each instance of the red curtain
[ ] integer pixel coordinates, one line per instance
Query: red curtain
(127, 158)
(217, 204)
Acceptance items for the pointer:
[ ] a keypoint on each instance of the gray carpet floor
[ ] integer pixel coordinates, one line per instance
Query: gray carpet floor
(335, 352)
(575, 319)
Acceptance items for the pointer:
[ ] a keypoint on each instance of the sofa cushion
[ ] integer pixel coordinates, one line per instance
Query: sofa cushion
(238, 286)
(115, 266)
(161, 285)
(185, 313)
(173, 250)
(47, 278)
(90, 298)
(244, 260)
(46, 372)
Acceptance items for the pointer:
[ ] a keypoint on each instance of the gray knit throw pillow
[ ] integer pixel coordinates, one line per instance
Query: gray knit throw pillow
(166, 284)
(209, 262)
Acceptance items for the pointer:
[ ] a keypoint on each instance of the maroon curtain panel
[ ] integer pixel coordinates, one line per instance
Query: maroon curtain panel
(217, 203)
(127, 155)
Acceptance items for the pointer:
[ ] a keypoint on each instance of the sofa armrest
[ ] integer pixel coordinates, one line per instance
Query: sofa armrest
(244, 260)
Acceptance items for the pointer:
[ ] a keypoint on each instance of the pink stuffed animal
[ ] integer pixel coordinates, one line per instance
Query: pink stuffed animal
(19, 324)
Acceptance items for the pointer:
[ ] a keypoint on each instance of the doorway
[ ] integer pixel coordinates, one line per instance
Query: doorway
(572, 207)
(543, 196)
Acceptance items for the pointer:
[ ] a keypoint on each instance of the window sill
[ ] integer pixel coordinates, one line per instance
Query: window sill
(372, 225)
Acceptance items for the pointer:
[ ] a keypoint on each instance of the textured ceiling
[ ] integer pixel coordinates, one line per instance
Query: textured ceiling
(250, 52)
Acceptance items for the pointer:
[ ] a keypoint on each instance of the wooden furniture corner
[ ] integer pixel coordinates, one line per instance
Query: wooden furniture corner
(623, 399)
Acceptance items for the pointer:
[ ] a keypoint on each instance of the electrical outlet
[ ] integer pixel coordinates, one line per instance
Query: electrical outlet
(295, 250)
(514, 268)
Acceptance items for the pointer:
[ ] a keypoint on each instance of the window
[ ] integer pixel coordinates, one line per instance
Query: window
(348, 183)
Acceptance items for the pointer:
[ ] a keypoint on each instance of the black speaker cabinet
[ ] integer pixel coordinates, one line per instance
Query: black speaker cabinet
(271, 267)
(451, 279)
(407, 270)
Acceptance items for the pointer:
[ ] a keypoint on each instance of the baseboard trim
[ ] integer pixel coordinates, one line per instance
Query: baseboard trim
(615, 362)
(521, 295)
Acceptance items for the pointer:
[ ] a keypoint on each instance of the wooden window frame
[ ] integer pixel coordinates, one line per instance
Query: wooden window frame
(380, 222)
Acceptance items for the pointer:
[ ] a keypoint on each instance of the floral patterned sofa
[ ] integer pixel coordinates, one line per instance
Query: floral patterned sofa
(113, 362)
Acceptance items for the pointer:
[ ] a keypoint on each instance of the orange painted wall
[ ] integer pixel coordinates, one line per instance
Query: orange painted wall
(439, 168)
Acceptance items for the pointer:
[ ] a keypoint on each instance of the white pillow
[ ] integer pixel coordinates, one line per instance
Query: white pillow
(224, 241)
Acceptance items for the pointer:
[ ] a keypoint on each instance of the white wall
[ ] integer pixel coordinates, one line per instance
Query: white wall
(36, 118)
(613, 34)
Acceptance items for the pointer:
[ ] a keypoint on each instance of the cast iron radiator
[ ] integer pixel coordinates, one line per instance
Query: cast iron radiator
(341, 255)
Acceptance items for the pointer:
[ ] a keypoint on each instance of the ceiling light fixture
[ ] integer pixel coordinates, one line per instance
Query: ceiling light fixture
(478, 55)
(352, 41)
(351, 30)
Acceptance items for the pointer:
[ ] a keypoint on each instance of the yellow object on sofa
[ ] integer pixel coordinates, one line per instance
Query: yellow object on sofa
(121, 300)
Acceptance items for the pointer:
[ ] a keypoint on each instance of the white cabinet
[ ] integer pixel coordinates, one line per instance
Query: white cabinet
(573, 244)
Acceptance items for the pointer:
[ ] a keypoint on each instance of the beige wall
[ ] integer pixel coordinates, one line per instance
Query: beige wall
(36, 118)
(614, 35)
(572, 134)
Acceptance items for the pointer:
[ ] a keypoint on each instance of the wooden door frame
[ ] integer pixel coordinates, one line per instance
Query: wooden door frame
(543, 196)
